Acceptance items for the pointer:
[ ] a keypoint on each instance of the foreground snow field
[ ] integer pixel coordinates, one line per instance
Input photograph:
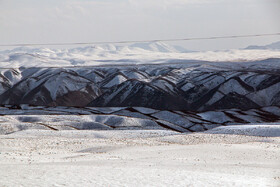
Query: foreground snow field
(137, 158)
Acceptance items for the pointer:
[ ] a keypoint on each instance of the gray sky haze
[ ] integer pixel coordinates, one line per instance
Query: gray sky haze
(55, 21)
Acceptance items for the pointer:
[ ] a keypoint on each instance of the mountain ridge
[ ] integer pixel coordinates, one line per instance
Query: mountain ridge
(193, 86)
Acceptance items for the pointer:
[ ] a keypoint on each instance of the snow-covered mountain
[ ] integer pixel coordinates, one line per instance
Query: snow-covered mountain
(197, 86)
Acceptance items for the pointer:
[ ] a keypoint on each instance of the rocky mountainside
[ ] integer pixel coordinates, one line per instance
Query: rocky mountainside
(198, 86)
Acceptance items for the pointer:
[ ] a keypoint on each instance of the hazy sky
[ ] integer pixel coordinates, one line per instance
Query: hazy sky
(51, 21)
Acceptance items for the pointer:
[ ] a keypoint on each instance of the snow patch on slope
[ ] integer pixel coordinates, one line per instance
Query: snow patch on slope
(115, 81)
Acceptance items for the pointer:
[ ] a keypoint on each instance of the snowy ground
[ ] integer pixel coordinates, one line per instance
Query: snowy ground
(139, 158)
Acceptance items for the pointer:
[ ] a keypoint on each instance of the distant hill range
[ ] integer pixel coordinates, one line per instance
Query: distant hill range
(273, 46)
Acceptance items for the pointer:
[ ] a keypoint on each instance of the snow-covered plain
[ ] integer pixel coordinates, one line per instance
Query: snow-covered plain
(137, 158)
(99, 55)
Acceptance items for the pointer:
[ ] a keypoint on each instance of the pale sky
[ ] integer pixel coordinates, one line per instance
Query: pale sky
(55, 21)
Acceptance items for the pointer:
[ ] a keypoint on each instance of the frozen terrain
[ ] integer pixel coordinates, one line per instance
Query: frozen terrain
(140, 115)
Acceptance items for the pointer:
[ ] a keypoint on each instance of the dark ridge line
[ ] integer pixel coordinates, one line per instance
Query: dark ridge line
(99, 74)
(155, 119)
(52, 128)
(113, 127)
(200, 124)
(170, 128)
(70, 127)
(152, 118)
(237, 119)
(268, 114)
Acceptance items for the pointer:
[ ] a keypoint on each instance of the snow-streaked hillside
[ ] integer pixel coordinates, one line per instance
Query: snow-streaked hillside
(195, 86)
